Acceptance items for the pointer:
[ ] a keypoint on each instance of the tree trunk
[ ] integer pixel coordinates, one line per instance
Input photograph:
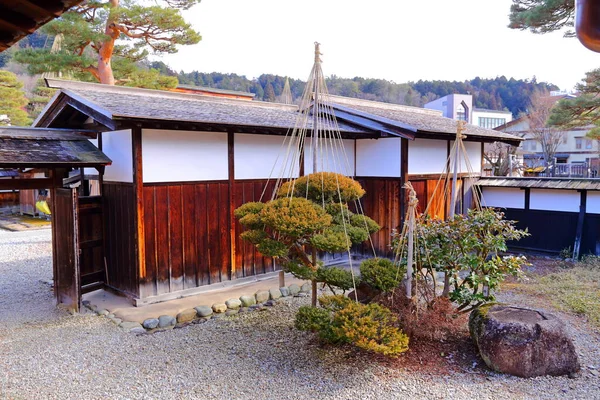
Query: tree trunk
(105, 72)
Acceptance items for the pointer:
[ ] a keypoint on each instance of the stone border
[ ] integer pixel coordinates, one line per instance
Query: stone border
(259, 301)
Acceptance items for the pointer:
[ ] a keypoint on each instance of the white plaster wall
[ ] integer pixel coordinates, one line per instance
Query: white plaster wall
(592, 205)
(554, 200)
(379, 157)
(336, 159)
(263, 156)
(427, 156)
(503, 197)
(117, 146)
(473, 155)
(183, 156)
(92, 171)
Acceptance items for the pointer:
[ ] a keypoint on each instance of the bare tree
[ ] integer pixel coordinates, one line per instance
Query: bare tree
(549, 137)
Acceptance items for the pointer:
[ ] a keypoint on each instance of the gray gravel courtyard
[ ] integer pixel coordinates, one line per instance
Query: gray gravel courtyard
(48, 354)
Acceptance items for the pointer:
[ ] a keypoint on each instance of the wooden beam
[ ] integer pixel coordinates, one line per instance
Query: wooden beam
(231, 178)
(138, 190)
(580, 222)
(25, 184)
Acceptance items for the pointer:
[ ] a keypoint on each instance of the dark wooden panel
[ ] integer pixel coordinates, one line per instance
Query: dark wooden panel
(148, 281)
(67, 281)
(162, 239)
(176, 237)
(91, 238)
(189, 237)
(224, 234)
(202, 238)
(119, 228)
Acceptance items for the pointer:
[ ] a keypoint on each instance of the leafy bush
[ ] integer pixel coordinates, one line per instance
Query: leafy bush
(381, 274)
(370, 327)
(466, 249)
(334, 276)
(323, 187)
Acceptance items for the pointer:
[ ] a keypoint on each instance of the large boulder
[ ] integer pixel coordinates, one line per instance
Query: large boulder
(522, 342)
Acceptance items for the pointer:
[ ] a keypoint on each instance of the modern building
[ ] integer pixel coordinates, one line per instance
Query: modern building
(460, 107)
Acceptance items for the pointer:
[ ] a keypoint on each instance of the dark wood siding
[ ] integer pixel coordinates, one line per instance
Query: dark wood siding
(91, 243)
(119, 234)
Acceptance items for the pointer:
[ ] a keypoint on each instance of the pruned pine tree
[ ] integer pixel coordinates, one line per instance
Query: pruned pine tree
(104, 39)
(12, 101)
(543, 16)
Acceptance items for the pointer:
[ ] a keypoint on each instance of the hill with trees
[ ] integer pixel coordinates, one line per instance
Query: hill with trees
(497, 93)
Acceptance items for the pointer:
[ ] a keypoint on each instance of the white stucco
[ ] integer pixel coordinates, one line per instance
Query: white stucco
(378, 157)
(183, 156)
(262, 157)
(472, 162)
(427, 156)
(592, 205)
(333, 159)
(91, 171)
(503, 197)
(554, 200)
(117, 146)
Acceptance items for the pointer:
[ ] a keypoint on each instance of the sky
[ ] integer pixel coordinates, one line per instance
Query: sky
(400, 41)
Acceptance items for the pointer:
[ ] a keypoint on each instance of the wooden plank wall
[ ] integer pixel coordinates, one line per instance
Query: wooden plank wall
(119, 209)
(248, 261)
(91, 237)
(9, 200)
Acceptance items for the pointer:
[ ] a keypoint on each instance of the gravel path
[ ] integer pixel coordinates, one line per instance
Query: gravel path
(47, 354)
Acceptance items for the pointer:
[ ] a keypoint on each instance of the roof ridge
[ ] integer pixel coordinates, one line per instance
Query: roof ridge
(382, 105)
(77, 87)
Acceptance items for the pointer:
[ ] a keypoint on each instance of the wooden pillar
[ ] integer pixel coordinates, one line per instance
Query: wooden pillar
(231, 216)
(580, 222)
(138, 193)
(100, 171)
(57, 176)
(403, 179)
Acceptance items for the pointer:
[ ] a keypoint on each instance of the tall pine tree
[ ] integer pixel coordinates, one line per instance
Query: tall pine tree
(12, 100)
(103, 39)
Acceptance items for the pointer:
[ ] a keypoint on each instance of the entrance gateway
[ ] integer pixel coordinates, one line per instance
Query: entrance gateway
(77, 228)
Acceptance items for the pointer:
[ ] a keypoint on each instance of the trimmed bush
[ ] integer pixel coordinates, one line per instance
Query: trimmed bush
(381, 274)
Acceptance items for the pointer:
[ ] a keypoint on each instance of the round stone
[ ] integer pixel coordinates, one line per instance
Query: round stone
(129, 325)
(247, 301)
(294, 289)
(165, 321)
(233, 304)
(186, 316)
(306, 288)
(262, 296)
(219, 307)
(274, 294)
(231, 312)
(285, 292)
(150, 323)
(204, 311)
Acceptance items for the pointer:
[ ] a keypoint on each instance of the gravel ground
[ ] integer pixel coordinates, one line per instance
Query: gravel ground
(48, 354)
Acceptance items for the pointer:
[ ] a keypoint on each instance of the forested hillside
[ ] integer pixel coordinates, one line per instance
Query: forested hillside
(498, 93)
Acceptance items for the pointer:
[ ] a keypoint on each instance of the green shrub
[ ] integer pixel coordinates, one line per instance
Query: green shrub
(370, 327)
(381, 274)
(335, 277)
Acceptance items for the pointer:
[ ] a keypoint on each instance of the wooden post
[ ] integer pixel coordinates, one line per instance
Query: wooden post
(580, 222)
(231, 181)
(138, 190)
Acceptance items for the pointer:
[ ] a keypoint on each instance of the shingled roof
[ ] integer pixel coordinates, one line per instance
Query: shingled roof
(47, 148)
(540, 183)
(424, 122)
(356, 118)
(123, 103)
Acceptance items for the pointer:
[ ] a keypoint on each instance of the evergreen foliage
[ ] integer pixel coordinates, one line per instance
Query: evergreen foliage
(12, 100)
(542, 16)
(40, 96)
(103, 40)
(496, 94)
(382, 274)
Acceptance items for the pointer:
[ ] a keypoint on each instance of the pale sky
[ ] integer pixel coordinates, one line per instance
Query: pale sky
(397, 40)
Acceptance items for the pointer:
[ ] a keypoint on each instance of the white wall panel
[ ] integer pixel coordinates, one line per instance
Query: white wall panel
(472, 162)
(117, 146)
(592, 205)
(554, 200)
(427, 156)
(184, 156)
(333, 158)
(263, 156)
(503, 197)
(379, 157)
(92, 171)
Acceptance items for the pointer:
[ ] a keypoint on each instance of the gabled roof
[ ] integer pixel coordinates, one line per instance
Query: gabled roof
(19, 18)
(117, 106)
(47, 148)
(118, 103)
(422, 122)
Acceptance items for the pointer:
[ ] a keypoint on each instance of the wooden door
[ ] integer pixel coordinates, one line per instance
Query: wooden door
(65, 228)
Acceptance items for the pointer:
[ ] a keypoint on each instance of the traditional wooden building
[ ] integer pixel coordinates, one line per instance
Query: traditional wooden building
(183, 162)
